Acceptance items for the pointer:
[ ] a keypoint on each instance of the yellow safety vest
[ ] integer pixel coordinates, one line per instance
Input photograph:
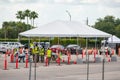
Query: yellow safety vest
(60, 55)
(36, 50)
(31, 45)
(15, 50)
(41, 51)
(49, 53)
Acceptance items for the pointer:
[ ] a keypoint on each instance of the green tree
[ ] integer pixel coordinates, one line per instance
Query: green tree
(20, 15)
(117, 22)
(5, 27)
(110, 19)
(107, 24)
(27, 15)
(117, 29)
(33, 16)
(10, 33)
(12, 29)
(1, 33)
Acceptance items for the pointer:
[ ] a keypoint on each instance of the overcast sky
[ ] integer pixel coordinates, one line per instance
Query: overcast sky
(51, 10)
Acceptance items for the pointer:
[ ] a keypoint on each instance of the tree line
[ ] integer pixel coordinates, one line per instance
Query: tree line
(11, 29)
(109, 24)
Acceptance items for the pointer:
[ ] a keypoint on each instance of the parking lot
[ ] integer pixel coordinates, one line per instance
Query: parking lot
(62, 72)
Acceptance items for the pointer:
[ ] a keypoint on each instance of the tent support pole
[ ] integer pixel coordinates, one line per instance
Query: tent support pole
(80, 41)
(49, 39)
(58, 40)
(39, 39)
(77, 40)
(18, 38)
(113, 43)
(30, 58)
(87, 59)
(103, 64)
(95, 42)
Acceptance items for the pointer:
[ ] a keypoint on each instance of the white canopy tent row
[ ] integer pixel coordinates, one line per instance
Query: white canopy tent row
(64, 29)
(114, 42)
(113, 39)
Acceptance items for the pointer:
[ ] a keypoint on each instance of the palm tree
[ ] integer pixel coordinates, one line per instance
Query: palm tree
(20, 15)
(27, 14)
(33, 15)
(5, 25)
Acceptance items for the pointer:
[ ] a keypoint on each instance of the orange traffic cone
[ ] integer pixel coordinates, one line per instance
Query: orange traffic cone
(68, 60)
(75, 62)
(108, 59)
(82, 54)
(17, 62)
(26, 61)
(46, 61)
(63, 60)
(5, 62)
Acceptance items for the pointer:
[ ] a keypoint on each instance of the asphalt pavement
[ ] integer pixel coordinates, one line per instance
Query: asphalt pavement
(61, 72)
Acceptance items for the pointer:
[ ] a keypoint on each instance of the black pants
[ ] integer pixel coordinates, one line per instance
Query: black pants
(21, 58)
(49, 58)
(42, 58)
(35, 58)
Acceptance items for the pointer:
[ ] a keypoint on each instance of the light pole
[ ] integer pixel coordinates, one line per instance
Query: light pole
(69, 14)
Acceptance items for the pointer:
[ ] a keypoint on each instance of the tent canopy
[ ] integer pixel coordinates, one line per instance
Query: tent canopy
(64, 29)
(113, 39)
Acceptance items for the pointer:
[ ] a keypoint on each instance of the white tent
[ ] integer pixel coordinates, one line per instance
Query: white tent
(113, 39)
(64, 29)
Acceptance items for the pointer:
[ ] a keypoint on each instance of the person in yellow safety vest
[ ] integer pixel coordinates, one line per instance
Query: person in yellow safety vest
(49, 54)
(16, 51)
(36, 53)
(31, 48)
(59, 55)
(42, 54)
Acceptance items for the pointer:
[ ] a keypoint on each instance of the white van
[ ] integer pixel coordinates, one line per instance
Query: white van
(9, 45)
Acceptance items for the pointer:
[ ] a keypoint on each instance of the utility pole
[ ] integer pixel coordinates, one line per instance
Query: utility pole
(87, 21)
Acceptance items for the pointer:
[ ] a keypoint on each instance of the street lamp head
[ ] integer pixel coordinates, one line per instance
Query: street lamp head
(69, 14)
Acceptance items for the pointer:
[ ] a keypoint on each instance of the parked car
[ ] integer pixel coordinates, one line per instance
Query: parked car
(73, 48)
(4, 46)
(54, 48)
(46, 45)
(40, 44)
